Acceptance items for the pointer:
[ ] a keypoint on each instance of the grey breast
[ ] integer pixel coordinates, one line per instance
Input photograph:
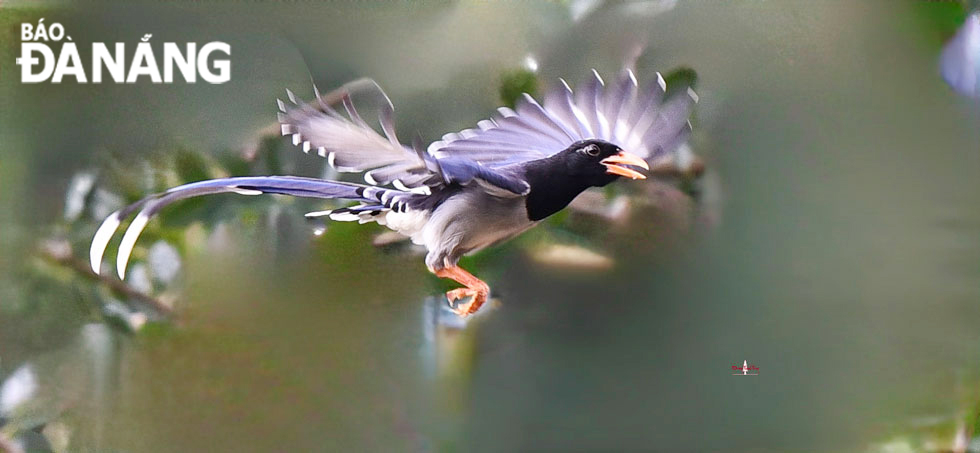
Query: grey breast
(471, 221)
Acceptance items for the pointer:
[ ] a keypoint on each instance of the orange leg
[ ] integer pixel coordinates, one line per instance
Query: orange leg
(475, 288)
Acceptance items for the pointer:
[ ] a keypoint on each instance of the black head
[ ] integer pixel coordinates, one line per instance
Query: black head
(598, 162)
(556, 180)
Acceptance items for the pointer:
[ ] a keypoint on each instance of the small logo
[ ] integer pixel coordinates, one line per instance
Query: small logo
(745, 369)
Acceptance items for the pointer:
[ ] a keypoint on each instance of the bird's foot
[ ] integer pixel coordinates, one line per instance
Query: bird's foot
(477, 298)
(476, 289)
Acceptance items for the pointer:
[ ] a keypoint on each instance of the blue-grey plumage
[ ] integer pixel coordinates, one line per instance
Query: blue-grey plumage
(469, 190)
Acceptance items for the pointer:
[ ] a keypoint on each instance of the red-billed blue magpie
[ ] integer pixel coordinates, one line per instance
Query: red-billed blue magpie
(470, 190)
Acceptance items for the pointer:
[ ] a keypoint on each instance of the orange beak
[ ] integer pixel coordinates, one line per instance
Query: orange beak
(625, 158)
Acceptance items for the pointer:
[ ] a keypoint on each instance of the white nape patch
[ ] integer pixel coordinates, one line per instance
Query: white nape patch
(331, 158)
(286, 129)
(321, 151)
(241, 191)
(129, 241)
(693, 95)
(101, 240)
(315, 214)
(661, 82)
(297, 138)
(307, 147)
(368, 178)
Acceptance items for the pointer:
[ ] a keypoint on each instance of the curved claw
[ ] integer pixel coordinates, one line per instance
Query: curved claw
(477, 298)
(475, 289)
(459, 293)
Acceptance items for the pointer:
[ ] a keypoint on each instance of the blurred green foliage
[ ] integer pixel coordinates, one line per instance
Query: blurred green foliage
(940, 20)
(515, 83)
(680, 79)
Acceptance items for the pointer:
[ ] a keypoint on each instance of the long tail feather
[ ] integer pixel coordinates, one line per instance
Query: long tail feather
(147, 207)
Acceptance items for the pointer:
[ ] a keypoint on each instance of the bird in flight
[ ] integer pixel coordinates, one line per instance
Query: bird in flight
(469, 190)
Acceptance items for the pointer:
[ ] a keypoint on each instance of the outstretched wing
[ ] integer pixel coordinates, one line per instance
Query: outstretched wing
(637, 119)
(350, 144)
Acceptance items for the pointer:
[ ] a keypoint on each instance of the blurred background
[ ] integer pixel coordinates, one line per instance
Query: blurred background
(832, 241)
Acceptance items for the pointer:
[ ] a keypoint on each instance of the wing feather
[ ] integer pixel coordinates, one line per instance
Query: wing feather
(634, 116)
(348, 142)
(559, 102)
(531, 109)
(588, 103)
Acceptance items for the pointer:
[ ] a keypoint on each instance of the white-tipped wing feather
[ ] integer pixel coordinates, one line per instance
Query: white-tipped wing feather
(349, 143)
(639, 120)
(633, 117)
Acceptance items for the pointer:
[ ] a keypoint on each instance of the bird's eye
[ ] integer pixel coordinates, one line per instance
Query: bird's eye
(591, 150)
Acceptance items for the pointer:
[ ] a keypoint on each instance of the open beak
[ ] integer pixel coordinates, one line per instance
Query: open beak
(625, 158)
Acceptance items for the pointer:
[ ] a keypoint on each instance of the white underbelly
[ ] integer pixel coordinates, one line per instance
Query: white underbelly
(473, 221)
(409, 223)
